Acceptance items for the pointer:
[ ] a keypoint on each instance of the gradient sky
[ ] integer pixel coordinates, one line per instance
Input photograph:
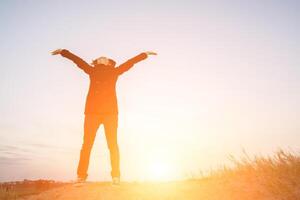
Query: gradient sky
(226, 78)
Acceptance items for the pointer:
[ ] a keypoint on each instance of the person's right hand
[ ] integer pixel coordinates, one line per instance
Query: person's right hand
(57, 51)
(151, 53)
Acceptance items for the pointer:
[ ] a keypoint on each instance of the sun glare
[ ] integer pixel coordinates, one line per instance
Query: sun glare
(159, 171)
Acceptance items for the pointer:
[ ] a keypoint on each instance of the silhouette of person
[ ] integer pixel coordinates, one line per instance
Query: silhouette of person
(101, 107)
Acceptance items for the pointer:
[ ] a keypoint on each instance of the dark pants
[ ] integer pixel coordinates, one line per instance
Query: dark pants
(91, 125)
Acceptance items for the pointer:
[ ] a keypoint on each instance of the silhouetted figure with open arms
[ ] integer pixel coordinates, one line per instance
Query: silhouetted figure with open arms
(101, 107)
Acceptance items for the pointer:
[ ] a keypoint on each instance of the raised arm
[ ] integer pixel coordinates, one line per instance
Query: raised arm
(129, 63)
(77, 60)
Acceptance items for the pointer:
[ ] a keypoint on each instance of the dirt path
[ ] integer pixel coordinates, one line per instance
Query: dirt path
(126, 191)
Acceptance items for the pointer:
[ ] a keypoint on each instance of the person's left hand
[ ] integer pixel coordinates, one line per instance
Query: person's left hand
(151, 53)
(57, 51)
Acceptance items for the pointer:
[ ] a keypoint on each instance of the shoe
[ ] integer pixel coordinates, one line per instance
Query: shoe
(80, 182)
(115, 181)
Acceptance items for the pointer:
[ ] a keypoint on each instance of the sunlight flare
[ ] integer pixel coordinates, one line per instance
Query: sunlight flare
(160, 171)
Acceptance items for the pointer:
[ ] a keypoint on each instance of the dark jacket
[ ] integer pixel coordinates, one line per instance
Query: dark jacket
(102, 98)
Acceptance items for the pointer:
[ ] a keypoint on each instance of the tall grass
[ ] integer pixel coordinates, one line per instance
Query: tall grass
(272, 177)
(7, 193)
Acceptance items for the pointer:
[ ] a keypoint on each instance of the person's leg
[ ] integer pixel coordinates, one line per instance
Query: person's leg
(91, 124)
(110, 127)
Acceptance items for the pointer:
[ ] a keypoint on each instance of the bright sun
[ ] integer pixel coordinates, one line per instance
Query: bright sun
(159, 171)
(159, 165)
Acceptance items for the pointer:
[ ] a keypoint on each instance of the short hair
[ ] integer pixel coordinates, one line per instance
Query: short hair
(110, 61)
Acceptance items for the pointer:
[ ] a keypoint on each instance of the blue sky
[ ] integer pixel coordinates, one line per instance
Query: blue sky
(227, 77)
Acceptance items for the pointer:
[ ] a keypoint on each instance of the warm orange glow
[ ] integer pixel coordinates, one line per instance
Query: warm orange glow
(223, 80)
(159, 171)
(159, 167)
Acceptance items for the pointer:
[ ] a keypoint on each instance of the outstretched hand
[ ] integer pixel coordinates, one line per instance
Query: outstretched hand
(57, 51)
(151, 53)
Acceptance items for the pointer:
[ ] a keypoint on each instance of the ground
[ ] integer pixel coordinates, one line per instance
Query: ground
(261, 178)
(187, 190)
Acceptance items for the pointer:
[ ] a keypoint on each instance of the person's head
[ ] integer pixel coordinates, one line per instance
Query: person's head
(104, 62)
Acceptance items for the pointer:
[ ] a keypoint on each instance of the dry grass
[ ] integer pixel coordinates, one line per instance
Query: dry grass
(257, 178)
(16, 190)
(7, 193)
(275, 177)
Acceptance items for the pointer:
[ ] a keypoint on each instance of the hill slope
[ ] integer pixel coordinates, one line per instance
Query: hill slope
(259, 178)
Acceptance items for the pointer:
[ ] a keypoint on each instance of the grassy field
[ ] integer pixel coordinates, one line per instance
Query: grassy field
(15, 190)
(268, 178)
